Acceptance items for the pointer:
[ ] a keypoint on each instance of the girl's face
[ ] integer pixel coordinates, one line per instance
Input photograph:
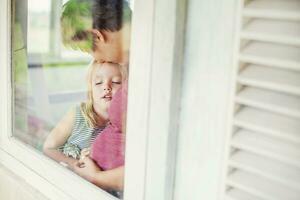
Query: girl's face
(106, 80)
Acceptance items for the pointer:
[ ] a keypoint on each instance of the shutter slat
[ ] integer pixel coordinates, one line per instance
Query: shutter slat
(274, 9)
(270, 54)
(271, 78)
(266, 146)
(269, 123)
(277, 31)
(234, 194)
(261, 187)
(268, 168)
(269, 100)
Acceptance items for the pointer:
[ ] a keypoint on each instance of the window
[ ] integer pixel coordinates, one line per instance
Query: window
(148, 60)
(48, 78)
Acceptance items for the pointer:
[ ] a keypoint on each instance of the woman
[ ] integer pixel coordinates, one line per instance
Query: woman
(107, 38)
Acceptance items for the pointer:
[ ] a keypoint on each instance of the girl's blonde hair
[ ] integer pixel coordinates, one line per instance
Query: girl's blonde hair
(87, 108)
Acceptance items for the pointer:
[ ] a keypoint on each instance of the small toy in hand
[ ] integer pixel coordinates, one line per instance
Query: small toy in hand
(72, 150)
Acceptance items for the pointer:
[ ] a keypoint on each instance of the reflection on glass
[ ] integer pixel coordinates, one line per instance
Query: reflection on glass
(70, 69)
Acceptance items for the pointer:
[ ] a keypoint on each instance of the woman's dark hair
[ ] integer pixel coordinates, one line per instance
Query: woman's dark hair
(78, 16)
(109, 15)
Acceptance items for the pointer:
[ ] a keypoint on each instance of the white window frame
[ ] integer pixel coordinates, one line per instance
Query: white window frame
(207, 96)
(154, 83)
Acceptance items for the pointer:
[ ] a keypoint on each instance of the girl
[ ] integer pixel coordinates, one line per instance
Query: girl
(80, 126)
(104, 166)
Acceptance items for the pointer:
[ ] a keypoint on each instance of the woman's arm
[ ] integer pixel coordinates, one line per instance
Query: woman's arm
(58, 137)
(110, 179)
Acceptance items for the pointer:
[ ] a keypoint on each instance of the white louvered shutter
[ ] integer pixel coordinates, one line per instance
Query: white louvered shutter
(264, 160)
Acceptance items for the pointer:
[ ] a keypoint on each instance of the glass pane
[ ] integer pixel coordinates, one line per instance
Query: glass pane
(70, 69)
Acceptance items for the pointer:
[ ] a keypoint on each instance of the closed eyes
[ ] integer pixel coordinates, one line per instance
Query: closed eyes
(117, 82)
(113, 82)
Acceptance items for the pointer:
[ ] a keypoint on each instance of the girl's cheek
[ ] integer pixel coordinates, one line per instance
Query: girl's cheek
(114, 91)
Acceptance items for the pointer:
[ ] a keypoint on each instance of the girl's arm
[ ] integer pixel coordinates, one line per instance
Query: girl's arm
(58, 137)
(110, 179)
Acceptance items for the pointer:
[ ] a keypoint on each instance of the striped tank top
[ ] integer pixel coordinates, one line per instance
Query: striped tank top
(82, 136)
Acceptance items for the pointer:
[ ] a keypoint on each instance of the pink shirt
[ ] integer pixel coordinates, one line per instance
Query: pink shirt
(108, 149)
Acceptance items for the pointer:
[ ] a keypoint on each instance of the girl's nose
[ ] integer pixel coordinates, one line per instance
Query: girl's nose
(107, 88)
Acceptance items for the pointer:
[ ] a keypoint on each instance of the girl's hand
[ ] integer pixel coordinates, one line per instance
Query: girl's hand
(87, 169)
(71, 164)
(84, 153)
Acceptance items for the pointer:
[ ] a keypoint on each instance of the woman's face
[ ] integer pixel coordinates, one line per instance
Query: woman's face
(109, 47)
(106, 80)
(107, 53)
